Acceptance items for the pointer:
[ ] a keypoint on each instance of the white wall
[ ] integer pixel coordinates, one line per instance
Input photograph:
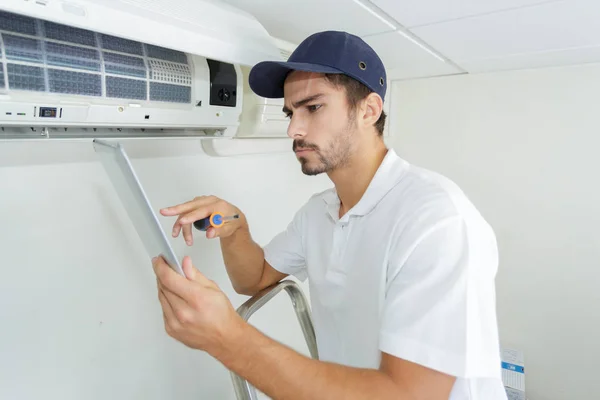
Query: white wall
(524, 146)
(79, 313)
(78, 308)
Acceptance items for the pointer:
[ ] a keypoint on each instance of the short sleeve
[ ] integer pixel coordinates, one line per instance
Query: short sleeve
(439, 307)
(285, 252)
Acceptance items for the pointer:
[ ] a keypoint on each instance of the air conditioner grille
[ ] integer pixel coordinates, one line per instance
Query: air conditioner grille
(69, 34)
(166, 54)
(23, 49)
(25, 77)
(119, 64)
(62, 55)
(17, 23)
(172, 93)
(165, 71)
(38, 55)
(124, 88)
(121, 45)
(70, 82)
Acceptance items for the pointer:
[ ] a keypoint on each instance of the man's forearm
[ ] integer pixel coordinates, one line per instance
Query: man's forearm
(282, 373)
(243, 257)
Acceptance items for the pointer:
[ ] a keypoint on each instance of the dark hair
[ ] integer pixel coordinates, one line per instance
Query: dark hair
(355, 92)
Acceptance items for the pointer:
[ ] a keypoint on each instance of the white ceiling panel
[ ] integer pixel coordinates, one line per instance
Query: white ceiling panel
(545, 28)
(412, 13)
(295, 20)
(403, 59)
(545, 59)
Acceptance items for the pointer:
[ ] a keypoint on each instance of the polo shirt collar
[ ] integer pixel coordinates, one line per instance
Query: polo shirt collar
(387, 176)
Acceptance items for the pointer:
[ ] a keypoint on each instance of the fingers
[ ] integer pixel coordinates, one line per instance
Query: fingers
(194, 275)
(211, 233)
(186, 218)
(176, 228)
(187, 234)
(188, 287)
(180, 208)
(202, 211)
(176, 313)
(177, 304)
(187, 206)
(171, 322)
(169, 279)
(168, 314)
(199, 208)
(184, 222)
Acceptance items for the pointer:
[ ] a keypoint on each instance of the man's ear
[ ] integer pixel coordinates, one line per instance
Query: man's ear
(372, 109)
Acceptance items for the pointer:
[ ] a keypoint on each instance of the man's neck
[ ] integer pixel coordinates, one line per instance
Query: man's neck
(352, 181)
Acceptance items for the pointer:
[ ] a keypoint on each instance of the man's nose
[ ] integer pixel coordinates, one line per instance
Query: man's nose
(296, 129)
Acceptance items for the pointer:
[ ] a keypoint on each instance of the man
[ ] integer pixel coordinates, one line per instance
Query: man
(401, 266)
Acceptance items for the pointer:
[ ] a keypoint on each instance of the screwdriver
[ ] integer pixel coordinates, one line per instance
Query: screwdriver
(215, 220)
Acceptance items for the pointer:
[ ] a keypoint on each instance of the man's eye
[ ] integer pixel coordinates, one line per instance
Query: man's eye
(314, 107)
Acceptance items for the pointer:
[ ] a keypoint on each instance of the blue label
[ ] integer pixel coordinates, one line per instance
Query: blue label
(513, 367)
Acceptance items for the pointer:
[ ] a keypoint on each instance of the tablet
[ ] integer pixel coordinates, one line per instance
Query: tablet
(127, 185)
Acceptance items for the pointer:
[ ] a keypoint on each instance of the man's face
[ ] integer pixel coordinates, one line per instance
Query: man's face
(323, 131)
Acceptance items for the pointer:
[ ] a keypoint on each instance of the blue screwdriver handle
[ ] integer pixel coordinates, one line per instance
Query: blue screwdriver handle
(215, 220)
(202, 224)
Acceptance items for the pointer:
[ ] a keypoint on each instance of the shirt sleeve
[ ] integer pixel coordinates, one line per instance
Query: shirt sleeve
(285, 252)
(439, 309)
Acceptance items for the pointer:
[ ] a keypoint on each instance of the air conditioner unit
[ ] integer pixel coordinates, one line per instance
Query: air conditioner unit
(133, 68)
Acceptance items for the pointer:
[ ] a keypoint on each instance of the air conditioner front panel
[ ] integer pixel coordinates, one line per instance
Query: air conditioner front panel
(61, 76)
(56, 114)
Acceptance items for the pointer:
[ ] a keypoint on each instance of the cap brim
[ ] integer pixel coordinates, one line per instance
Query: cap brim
(267, 78)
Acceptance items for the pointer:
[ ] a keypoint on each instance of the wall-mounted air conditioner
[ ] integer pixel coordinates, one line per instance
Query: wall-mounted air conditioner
(132, 68)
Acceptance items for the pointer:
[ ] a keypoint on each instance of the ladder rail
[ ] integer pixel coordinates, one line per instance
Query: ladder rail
(243, 389)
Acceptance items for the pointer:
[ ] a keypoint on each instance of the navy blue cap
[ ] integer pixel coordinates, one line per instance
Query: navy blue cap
(329, 52)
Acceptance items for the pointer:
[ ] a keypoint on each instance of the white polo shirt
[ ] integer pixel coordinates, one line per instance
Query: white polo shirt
(408, 271)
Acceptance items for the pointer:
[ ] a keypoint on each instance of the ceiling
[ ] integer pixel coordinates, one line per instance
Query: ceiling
(423, 38)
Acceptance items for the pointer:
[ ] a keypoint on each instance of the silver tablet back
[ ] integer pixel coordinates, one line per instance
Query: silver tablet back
(136, 203)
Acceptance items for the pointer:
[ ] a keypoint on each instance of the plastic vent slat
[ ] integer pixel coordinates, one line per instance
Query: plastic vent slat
(17, 23)
(60, 81)
(166, 54)
(124, 88)
(66, 33)
(24, 77)
(2, 84)
(121, 45)
(23, 49)
(62, 55)
(170, 72)
(170, 93)
(124, 65)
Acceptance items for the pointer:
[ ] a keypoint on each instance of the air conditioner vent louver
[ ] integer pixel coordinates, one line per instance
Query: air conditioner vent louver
(17, 23)
(69, 34)
(166, 71)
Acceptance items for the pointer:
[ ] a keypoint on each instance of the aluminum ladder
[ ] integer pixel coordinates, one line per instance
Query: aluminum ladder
(243, 389)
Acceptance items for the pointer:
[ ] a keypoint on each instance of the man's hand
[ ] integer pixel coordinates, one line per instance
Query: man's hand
(202, 207)
(196, 312)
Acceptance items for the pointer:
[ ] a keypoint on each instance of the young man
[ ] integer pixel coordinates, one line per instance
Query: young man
(401, 265)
